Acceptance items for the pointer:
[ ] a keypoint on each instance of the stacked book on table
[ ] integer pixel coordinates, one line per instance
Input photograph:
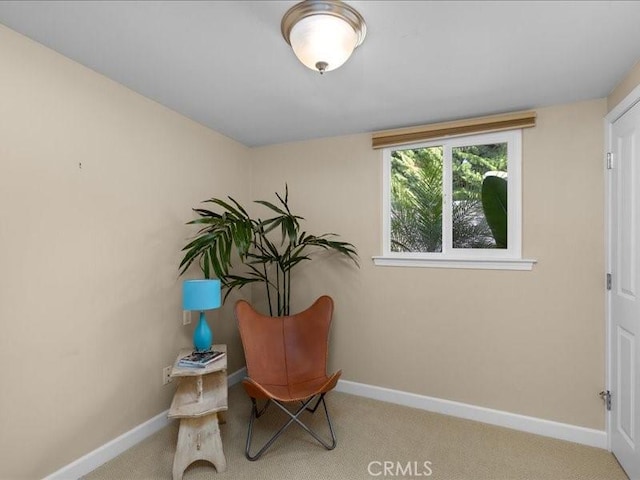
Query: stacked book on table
(200, 359)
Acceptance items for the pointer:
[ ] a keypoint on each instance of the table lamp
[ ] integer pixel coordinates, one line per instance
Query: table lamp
(201, 295)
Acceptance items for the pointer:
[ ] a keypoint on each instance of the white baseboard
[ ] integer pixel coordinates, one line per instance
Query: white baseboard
(237, 376)
(115, 447)
(539, 426)
(110, 450)
(547, 428)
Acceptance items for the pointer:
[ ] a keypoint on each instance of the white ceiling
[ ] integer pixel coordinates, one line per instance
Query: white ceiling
(226, 65)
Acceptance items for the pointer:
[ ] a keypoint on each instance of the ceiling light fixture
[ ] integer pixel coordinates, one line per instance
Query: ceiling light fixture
(323, 33)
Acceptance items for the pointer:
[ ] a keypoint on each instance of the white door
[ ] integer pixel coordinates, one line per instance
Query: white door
(624, 332)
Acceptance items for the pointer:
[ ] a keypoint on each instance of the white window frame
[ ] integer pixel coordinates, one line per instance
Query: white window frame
(503, 259)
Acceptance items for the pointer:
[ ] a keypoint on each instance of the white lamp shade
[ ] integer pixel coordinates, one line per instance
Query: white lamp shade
(323, 38)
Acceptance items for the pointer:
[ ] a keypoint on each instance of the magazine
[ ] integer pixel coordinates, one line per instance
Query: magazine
(200, 359)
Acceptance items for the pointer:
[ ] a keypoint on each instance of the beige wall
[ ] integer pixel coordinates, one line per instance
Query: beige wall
(624, 88)
(89, 292)
(525, 342)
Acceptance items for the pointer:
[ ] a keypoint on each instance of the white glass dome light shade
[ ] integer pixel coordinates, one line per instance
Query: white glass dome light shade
(323, 33)
(319, 39)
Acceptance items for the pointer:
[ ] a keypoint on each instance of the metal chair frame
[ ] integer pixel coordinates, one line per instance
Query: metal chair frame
(293, 418)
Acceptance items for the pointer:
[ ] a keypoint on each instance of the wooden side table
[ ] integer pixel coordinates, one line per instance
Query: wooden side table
(199, 399)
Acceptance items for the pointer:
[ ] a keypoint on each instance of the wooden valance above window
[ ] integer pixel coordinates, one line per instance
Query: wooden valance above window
(422, 133)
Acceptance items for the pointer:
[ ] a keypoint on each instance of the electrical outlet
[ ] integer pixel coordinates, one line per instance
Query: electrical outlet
(166, 375)
(186, 317)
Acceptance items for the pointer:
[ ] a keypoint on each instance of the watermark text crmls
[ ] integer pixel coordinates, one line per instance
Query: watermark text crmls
(388, 468)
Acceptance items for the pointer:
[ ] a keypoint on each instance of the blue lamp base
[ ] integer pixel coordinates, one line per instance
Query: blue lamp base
(202, 336)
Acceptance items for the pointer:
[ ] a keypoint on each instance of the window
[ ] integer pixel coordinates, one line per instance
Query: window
(454, 202)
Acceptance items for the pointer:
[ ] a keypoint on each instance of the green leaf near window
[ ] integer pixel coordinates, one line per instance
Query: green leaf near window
(494, 204)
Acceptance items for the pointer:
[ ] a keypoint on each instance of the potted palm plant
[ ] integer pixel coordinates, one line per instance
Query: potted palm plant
(269, 248)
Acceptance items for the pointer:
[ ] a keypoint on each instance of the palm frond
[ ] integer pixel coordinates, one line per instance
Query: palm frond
(267, 260)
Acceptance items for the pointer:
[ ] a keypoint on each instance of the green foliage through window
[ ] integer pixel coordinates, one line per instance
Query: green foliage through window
(418, 197)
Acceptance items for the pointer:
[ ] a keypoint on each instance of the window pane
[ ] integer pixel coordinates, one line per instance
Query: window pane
(479, 176)
(416, 200)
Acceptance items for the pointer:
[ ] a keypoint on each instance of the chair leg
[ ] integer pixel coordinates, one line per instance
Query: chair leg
(315, 407)
(293, 418)
(259, 413)
(255, 414)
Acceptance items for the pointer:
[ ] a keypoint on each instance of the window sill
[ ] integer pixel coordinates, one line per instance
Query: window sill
(478, 264)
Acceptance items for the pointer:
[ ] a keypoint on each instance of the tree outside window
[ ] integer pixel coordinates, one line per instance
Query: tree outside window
(422, 179)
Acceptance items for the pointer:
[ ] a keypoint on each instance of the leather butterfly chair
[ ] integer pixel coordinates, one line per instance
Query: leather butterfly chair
(286, 363)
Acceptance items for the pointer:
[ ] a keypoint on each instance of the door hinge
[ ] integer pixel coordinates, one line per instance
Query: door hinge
(609, 161)
(608, 281)
(605, 395)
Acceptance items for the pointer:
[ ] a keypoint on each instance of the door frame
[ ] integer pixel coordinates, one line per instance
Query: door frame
(618, 111)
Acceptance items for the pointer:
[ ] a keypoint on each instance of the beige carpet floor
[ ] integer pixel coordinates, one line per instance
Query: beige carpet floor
(371, 431)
